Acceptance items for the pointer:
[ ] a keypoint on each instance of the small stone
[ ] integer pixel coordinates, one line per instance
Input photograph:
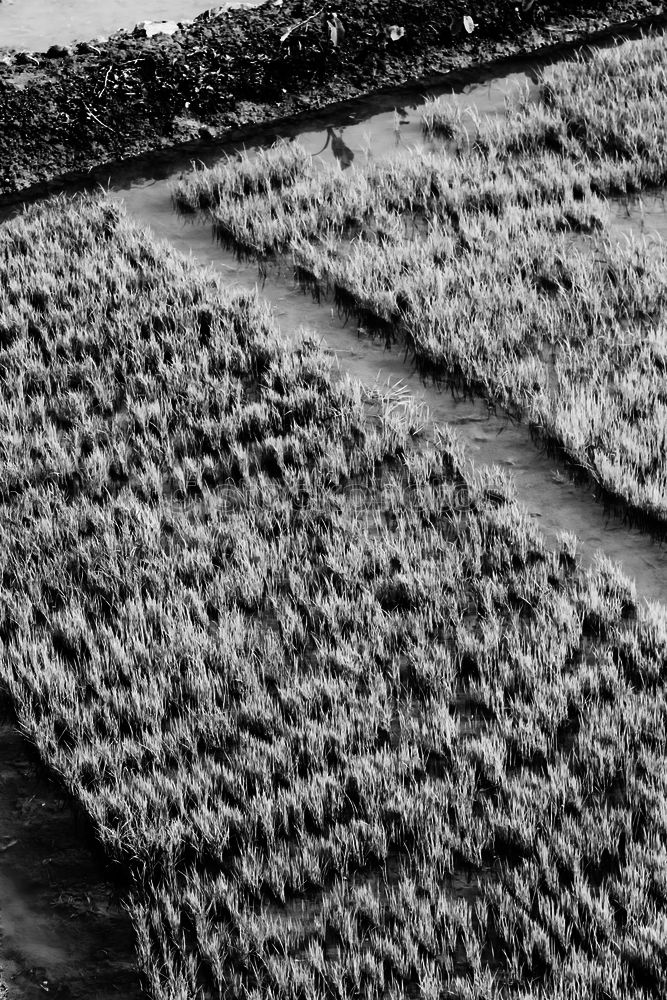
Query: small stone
(147, 29)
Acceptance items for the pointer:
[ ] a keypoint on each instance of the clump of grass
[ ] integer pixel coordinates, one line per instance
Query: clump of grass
(238, 177)
(442, 118)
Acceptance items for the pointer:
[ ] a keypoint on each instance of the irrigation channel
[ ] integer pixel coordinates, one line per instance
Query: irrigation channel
(36, 24)
(38, 941)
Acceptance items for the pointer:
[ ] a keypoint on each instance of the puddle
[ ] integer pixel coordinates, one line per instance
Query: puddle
(37, 24)
(543, 485)
(62, 931)
(640, 215)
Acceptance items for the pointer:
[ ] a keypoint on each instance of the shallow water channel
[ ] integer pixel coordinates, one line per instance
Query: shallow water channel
(37, 24)
(641, 215)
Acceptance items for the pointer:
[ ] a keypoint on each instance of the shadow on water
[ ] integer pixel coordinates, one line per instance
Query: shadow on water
(342, 153)
(396, 125)
(543, 485)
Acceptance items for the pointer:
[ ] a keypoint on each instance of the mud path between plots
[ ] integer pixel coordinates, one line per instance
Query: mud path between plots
(63, 932)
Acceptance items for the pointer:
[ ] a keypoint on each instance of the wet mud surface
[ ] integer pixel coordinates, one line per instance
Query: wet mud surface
(63, 932)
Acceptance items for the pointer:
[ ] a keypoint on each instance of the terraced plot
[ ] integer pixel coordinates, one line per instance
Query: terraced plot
(334, 752)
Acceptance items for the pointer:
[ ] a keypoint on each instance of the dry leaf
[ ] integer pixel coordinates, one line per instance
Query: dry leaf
(336, 30)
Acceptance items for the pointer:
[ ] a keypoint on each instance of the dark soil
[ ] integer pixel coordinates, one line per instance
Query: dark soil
(66, 113)
(62, 930)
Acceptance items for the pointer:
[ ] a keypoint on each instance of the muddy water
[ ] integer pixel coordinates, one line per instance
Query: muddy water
(37, 24)
(351, 133)
(376, 127)
(640, 216)
(62, 931)
(542, 485)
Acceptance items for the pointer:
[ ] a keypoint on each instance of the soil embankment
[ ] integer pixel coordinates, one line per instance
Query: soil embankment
(64, 113)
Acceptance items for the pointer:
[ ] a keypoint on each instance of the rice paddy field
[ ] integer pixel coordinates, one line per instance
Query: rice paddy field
(494, 262)
(340, 720)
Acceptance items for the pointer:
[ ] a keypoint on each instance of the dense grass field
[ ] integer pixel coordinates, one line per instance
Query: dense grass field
(493, 260)
(388, 749)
